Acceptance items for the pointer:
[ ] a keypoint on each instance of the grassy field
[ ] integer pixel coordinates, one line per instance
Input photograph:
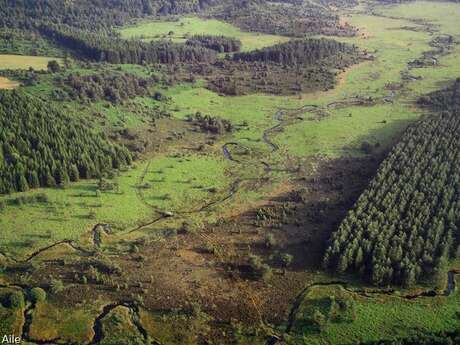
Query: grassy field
(179, 30)
(73, 325)
(170, 184)
(24, 62)
(377, 317)
(443, 14)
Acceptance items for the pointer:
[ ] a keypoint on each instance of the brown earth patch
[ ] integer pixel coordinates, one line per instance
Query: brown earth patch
(8, 84)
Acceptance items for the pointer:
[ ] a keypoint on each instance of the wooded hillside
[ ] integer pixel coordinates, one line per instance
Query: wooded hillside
(41, 146)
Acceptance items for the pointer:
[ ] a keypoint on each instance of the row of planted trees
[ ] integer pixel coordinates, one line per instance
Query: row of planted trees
(41, 146)
(404, 228)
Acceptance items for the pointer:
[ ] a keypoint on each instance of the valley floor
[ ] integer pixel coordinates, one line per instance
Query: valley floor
(186, 217)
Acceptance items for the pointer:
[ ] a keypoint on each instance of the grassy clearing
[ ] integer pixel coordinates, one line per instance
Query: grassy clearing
(185, 183)
(338, 134)
(256, 110)
(24, 62)
(50, 322)
(180, 29)
(342, 135)
(70, 213)
(443, 14)
(176, 184)
(8, 84)
(379, 318)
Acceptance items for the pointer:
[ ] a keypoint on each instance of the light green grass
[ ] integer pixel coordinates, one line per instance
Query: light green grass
(256, 110)
(185, 183)
(341, 135)
(24, 62)
(379, 318)
(72, 325)
(67, 214)
(155, 30)
(175, 184)
(443, 14)
(393, 47)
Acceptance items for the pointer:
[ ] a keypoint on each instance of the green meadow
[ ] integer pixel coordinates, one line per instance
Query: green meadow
(344, 130)
(378, 317)
(179, 30)
(173, 184)
(24, 62)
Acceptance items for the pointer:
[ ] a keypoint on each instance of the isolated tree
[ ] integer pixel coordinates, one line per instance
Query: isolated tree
(37, 294)
(53, 66)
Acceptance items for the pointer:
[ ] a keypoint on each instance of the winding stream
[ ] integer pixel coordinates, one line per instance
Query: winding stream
(98, 327)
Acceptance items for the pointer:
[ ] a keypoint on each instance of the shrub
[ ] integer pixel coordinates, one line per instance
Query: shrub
(319, 320)
(16, 300)
(53, 66)
(270, 241)
(260, 269)
(266, 272)
(92, 214)
(37, 295)
(42, 197)
(56, 286)
(287, 259)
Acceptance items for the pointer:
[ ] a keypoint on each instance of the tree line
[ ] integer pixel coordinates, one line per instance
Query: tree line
(91, 15)
(220, 44)
(287, 18)
(404, 228)
(99, 47)
(41, 146)
(444, 99)
(109, 86)
(297, 52)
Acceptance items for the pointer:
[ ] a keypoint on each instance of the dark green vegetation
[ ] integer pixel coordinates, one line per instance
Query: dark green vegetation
(291, 18)
(26, 43)
(210, 124)
(112, 87)
(298, 52)
(220, 44)
(289, 68)
(116, 50)
(404, 227)
(90, 15)
(41, 146)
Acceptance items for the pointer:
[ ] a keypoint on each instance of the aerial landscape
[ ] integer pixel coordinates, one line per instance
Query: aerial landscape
(279, 172)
